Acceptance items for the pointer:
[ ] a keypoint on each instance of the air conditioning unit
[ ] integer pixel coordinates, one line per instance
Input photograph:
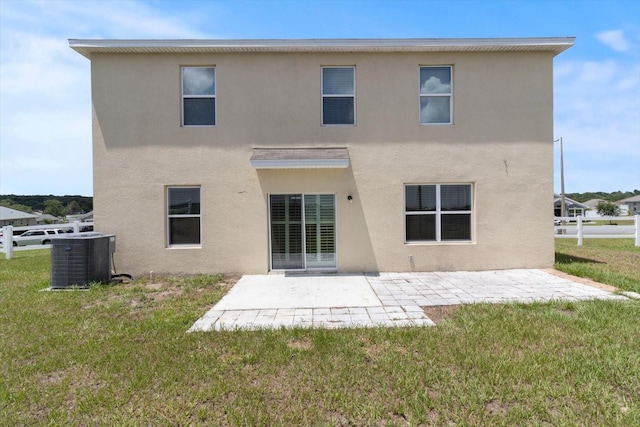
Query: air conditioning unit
(80, 259)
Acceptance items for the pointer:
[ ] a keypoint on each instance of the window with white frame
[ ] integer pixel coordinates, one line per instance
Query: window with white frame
(338, 96)
(183, 216)
(435, 95)
(438, 212)
(198, 96)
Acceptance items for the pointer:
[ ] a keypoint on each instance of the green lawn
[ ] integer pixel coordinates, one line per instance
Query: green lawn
(612, 261)
(119, 355)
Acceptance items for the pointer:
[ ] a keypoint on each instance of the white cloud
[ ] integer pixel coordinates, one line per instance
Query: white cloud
(615, 39)
(45, 107)
(434, 85)
(597, 112)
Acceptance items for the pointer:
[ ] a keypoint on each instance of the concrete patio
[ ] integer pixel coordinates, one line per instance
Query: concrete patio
(385, 299)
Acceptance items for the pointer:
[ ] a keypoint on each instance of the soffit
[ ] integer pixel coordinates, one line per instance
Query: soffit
(556, 45)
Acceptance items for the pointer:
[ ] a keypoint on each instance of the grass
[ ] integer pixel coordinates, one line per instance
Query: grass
(119, 355)
(617, 221)
(612, 261)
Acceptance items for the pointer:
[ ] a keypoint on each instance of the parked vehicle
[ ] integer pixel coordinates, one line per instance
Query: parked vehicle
(36, 237)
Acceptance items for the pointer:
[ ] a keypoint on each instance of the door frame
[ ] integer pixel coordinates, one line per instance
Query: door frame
(304, 237)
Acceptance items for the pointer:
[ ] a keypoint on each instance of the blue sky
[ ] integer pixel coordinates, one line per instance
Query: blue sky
(45, 105)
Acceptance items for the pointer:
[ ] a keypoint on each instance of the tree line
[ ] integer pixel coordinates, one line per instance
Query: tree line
(609, 197)
(53, 205)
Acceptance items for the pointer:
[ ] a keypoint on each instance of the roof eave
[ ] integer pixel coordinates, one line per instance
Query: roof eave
(551, 44)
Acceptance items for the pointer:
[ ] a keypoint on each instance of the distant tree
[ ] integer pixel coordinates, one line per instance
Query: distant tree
(73, 208)
(36, 202)
(610, 197)
(608, 209)
(7, 203)
(54, 207)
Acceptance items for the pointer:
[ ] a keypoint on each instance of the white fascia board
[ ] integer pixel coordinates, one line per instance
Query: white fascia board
(88, 46)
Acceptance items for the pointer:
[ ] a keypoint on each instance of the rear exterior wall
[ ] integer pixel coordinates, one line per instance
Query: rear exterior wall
(500, 141)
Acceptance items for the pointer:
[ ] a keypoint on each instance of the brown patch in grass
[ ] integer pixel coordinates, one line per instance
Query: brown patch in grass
(440, 313)
(140, 294)
(495, 407)
(398, 418)
(80, 377)
(300, 344)
(78, 381)
(402, 350)
(567, 312)
(371, 350)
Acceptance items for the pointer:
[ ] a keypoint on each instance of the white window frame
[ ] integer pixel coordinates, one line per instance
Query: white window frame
(429, 95)
(214, 96)
(438, 214)
(323, 95)
(169, 216)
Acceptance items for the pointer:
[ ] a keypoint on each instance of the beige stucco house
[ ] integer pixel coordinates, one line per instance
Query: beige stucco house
(631, 205)
(341, 155)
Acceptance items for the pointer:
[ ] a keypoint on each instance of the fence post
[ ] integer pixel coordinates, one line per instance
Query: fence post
(637, 225)
(579, 230)
(76, 226)
(7, 241)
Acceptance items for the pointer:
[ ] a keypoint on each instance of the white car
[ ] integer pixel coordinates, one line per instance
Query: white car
(36, 237)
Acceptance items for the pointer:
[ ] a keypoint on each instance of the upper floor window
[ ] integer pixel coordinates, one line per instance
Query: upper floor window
(183, 216)
(435, 95)
(198, 96)
(438, 212)
(338, 96)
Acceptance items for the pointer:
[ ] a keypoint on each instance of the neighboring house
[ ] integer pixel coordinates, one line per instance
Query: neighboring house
(592, 205)
(85, 217)
(16, 218)
(632, 205)
(340, 155)
(47, 219)
(572, 208)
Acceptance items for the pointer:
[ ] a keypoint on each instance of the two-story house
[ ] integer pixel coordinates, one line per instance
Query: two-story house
(341, 155)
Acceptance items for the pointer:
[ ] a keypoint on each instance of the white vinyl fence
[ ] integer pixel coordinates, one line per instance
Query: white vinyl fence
(581, 228)
(7, 235)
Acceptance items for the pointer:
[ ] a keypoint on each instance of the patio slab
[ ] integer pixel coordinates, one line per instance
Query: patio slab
(279, 291)
(386, 299)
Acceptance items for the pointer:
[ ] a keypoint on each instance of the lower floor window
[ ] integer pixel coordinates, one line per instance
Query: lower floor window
(438, 212)
(183, 216)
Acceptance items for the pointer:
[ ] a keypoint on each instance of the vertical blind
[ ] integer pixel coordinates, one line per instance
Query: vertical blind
(288, 223)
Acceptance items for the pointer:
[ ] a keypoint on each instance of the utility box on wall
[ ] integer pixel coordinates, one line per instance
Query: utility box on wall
(79, 259)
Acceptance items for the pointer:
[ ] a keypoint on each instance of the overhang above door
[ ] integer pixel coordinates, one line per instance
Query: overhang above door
(299, 158)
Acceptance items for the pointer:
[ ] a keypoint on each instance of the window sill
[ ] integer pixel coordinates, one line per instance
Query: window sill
(184, 247)
(446, 242)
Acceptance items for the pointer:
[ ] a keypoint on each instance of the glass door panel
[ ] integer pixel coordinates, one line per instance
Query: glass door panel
(320, 230)
(302, 223)
(286, 232)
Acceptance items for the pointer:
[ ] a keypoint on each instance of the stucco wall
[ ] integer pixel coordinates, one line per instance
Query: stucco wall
(501, 142)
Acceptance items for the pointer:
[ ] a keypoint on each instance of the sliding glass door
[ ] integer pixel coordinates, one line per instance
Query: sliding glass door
(303, 231)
